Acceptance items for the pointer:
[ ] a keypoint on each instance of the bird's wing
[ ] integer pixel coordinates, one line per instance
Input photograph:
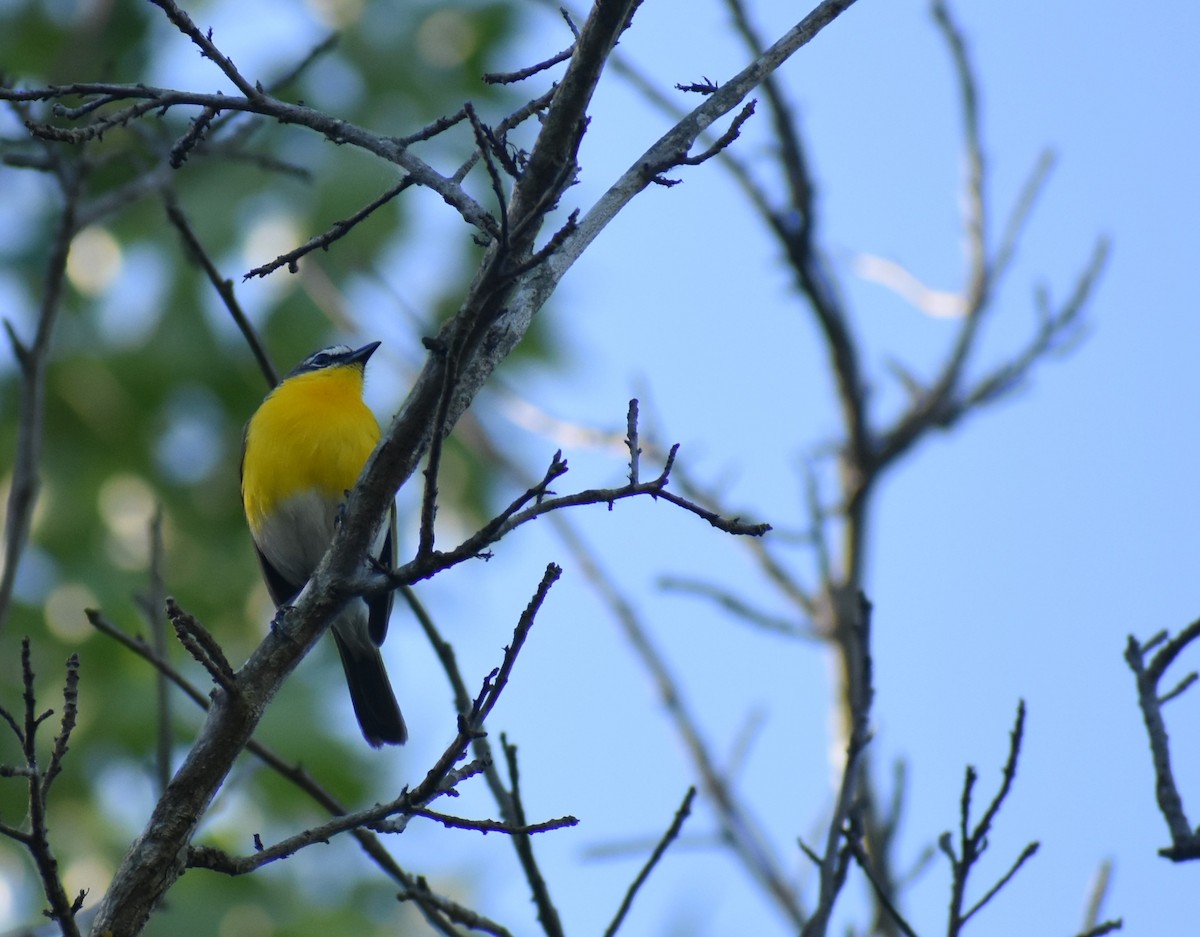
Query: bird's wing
(281, 590)
(380, 607)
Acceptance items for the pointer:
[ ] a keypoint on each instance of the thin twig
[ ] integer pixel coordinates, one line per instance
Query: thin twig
(535, 503)
(738, 607)
(508, 78)
(181, 21)
(738, 826)
(546, 910)
(660, 849)
(154, 99)
(202, 646)
(833, 864)
(32, 361)
(333, 233)
(152, 604)
(881, 891)
(973, 839)
(438, 911)
(492, 826)
(224, 289)
(1185, 843)
(494, 316)
(631, 441)
(36, 840)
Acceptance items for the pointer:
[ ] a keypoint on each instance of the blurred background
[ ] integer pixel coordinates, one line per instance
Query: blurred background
(1009, 559)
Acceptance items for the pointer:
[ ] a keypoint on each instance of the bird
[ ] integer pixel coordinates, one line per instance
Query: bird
(302, 451)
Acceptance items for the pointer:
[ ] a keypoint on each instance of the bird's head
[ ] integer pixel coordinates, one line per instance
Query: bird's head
(335, 356)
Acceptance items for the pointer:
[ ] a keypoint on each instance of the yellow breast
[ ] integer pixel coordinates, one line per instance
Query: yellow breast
(312, 434)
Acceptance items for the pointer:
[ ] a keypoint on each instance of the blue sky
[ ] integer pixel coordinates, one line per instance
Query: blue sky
(1010, 559)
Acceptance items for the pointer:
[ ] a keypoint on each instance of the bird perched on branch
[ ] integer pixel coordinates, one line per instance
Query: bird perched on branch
(303, 451)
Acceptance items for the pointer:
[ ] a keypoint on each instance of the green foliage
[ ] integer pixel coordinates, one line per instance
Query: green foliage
(149, 386)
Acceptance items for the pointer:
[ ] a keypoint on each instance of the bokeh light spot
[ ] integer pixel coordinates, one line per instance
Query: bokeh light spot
(336, 14)
(64, 612)
(127, 504)
(446, 38)
(269, 237)
(94, 260)
(194, 440)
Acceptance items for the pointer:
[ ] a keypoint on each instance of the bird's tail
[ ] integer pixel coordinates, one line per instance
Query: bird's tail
(370, 690)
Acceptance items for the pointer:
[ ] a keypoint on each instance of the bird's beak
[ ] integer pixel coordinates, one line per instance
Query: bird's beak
(361, 355)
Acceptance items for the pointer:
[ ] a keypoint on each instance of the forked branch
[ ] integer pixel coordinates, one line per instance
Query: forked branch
(36, 839)
(1185, 841)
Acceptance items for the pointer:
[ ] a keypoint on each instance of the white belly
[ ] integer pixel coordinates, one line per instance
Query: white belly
(299, 531)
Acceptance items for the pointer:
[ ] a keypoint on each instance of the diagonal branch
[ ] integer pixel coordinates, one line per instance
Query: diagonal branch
(660, 849)
(32, 363)
(497, 311)
(973, 840)
(435, 908)
(224, 289)
(181, 21)
(1185, 842)
(738, 825)
(36, 840)
(334, 129)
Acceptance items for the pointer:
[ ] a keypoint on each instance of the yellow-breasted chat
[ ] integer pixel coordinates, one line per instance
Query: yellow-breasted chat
(303, 450)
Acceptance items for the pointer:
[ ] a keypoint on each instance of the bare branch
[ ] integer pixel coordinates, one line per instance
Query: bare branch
(976, 219)
(437, 782)
(880, 888)
(1021, 211)
(334, 129)
(1105, 927)
(668, 837)
(211, 118)
(224, 289)
(152, 605)
(434, 907)
(678, 141)
(493, 826)
(513, 281)
(738, 827)
(36, 840)
(508, 78)
(70, 715)
(32, 361)
(973, 839)
(1096, 896)
(535, 503)
(547, 913)
(408, 804)
(631, 441)
(333, 233)
(1185, 842)
(833, 864)
(203, 647)
(738, 607)
(181, 21)
(723, 142)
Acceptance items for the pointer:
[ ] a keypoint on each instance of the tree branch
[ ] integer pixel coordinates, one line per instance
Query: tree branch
(1185, 842)
(513, 281)
(660, 849)
(973, 839)
(32, 362)
(62, 910)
